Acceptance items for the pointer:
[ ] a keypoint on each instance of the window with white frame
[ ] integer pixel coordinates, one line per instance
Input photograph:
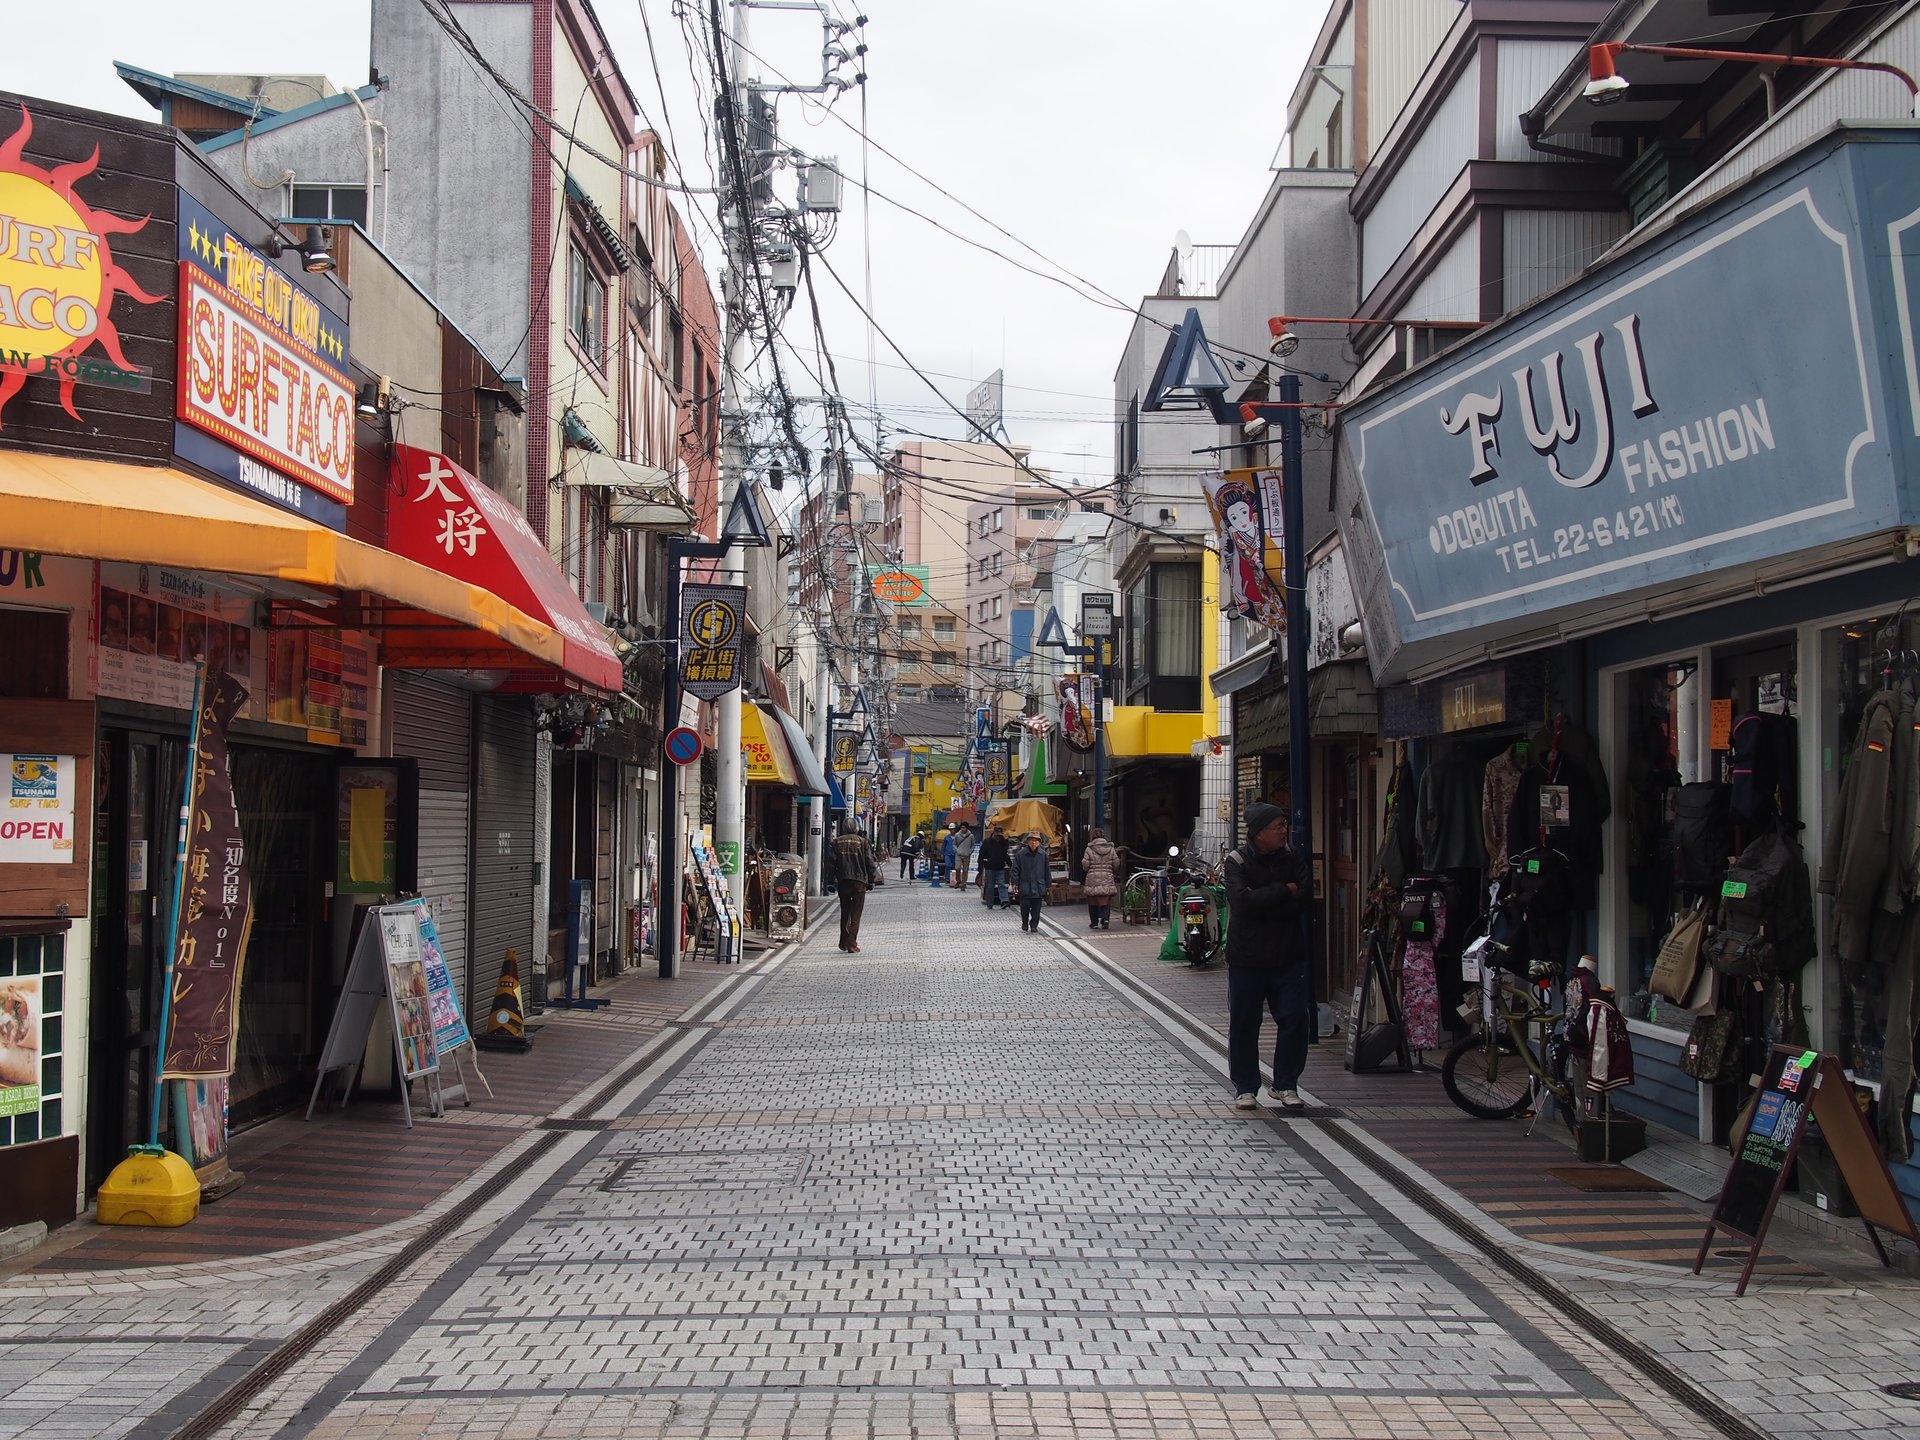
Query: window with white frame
(586, 306)
(996, 607)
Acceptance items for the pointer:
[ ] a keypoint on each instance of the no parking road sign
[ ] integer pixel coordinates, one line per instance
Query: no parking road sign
(683, 745)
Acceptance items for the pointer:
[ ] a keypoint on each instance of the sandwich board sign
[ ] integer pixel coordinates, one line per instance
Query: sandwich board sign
(1798, 1085)
(397, 964)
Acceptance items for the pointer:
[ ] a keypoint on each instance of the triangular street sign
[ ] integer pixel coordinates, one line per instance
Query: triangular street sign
(1188, 376)
(1053, 635)
(744, 523)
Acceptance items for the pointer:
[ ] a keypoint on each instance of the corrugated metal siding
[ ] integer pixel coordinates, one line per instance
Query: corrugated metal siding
(504, 842)
(1452, 290)
(606, 802)
(1402, 37)
(433, 724)
(1525, 71)
(1661, 1090)
(1839, 94)
(1437, 157)
(1547, 248)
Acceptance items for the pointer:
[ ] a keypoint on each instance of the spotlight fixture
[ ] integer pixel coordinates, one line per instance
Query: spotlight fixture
(315, 258)
(1605, 85)
(1285, 342)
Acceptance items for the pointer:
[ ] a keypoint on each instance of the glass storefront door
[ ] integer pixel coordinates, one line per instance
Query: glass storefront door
(139, 776)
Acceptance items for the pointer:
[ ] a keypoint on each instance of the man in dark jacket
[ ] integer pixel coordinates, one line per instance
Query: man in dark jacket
(993, 869)
(910, 849)
(854, 868)
(1268, 888)
(1032, 876)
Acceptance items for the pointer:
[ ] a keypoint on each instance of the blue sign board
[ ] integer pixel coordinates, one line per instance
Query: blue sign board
(1716, 399)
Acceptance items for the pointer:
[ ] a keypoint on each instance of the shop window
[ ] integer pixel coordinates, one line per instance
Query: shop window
(331, 202)
(35, 644)
(586, 307)
(1662, 753)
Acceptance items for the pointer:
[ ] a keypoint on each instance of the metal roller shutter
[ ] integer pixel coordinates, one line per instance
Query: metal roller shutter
(433, 725)
(503, 848)
(605, 863)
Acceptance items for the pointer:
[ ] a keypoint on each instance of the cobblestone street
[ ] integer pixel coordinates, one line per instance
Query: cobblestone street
(959, 1184)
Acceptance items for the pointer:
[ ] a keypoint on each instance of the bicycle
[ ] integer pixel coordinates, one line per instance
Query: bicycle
(1497, 1072)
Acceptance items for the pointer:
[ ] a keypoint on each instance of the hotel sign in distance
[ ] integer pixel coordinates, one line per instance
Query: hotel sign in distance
(263, 370)
(58, 279)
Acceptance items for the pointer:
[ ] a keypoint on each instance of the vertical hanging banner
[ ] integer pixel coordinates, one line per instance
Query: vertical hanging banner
(1246, 586)
(1076, 720)
(216, 910)
(711, 638)
(846, 750)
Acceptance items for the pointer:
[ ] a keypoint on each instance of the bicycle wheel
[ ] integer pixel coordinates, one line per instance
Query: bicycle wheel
(1485, 1076)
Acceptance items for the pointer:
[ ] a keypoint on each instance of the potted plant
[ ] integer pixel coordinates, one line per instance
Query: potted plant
(1133, 904)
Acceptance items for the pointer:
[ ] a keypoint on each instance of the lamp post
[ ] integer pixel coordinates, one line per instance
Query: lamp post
(1606, 86)
(743, 527)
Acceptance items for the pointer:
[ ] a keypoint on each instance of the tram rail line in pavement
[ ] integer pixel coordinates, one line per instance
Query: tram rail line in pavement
(1621, 1347)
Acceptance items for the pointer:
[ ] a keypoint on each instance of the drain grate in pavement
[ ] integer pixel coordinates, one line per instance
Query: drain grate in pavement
(559, 1122)
(704, 1172)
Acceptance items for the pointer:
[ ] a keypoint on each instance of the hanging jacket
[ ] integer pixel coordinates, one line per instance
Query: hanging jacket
(1450, 836)
(1854, 860)
(1499, 785)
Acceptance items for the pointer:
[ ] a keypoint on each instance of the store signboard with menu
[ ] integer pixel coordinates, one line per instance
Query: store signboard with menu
(155, 623)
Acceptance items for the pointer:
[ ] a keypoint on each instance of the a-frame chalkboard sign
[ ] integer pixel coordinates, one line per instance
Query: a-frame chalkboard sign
(1796, 1084)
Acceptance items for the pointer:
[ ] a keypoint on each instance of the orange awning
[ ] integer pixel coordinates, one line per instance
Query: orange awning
(97, 510)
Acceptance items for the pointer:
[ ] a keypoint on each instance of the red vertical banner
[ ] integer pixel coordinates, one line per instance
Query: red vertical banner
(216, 907)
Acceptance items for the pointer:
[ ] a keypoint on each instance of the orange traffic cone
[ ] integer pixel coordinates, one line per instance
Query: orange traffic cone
(506, 1025)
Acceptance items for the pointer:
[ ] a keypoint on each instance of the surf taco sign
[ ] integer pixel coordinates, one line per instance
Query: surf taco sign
(58, 279)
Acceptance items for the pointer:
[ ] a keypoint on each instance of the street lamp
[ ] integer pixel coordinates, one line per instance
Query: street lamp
(744, 527)
(1168, 392)
(1606, 86)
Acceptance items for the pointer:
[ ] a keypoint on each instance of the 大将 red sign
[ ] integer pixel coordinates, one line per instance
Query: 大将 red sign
(445, 518)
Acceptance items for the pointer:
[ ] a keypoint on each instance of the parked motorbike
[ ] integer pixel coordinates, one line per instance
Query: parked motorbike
(1198, 899)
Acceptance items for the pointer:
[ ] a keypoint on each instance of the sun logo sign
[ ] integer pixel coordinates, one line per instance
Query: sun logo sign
(58, 279)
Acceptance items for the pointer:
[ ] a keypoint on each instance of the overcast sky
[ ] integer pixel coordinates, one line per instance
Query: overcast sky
(1092, 130)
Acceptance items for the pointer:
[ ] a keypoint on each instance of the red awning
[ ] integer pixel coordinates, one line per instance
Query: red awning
(443, 517)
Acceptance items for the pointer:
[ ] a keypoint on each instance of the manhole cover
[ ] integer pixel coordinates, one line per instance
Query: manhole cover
(1903, 1389)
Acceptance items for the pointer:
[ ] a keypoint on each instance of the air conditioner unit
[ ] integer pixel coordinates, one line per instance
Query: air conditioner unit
(787, 897)
(873, 512)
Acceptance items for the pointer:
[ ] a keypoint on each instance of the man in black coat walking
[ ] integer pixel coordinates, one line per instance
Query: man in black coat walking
(1268, 887)
(994, 853)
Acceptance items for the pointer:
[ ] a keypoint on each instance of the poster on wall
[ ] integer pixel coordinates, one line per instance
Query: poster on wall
(20, 1045)
(367, 830)
(37, 820)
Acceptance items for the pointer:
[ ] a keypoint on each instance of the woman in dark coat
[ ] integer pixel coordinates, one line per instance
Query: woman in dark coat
(1101, 861)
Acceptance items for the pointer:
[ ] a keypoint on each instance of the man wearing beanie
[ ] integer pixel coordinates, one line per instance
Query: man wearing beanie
(1268, 885)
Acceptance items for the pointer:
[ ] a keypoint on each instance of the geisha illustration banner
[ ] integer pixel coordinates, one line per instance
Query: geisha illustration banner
(1076, 719)
(1247, 584)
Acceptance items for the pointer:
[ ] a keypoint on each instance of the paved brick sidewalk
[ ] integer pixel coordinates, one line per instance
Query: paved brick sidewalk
(347, 1172)
(1493, 1163)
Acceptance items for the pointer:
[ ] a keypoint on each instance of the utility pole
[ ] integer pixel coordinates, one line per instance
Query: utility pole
(730, 790)
(1294, 553)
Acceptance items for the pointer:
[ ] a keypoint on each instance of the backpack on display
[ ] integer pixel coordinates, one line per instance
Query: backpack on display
(1702, 835)
(1712, 1051)
(1765, 924)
